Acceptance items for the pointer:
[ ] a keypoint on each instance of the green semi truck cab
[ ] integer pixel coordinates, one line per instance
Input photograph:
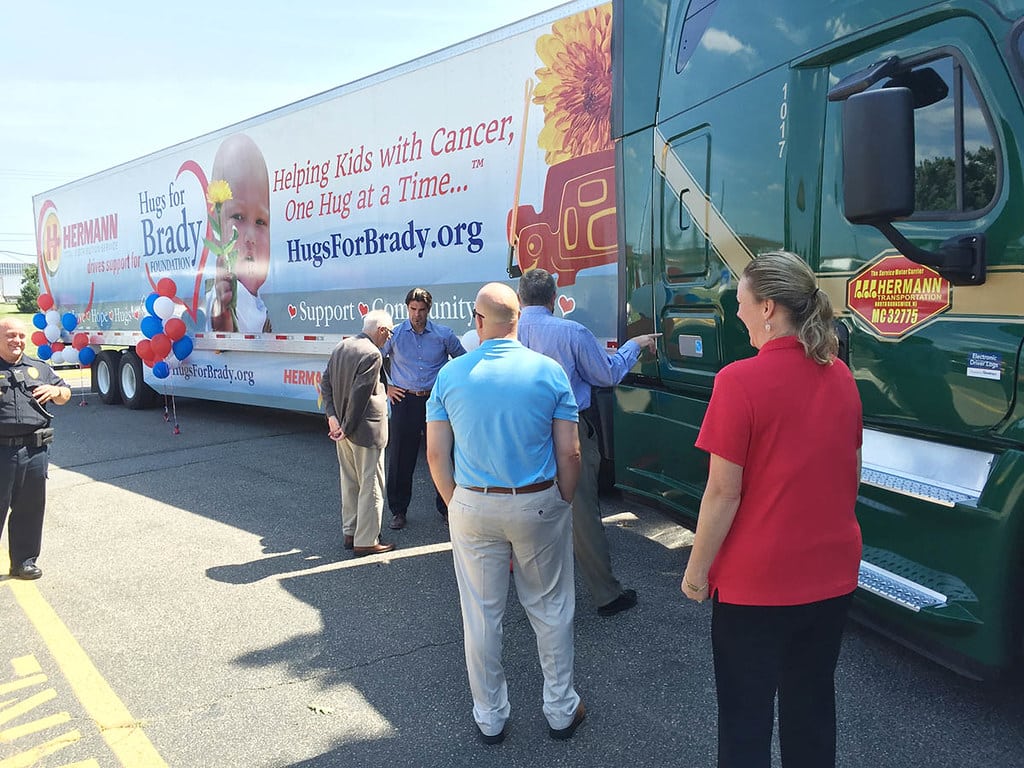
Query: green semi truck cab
(878, 141)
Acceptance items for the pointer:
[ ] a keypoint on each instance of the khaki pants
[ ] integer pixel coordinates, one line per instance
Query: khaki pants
(535, 530)
(362, 491)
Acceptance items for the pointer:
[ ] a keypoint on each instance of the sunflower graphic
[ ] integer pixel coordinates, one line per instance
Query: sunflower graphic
(575, 85)
(576, 226)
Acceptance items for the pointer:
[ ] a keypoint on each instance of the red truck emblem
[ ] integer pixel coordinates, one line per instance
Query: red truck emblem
(576, 229)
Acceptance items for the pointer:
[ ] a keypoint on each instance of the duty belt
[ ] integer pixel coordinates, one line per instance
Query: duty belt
(36, 439)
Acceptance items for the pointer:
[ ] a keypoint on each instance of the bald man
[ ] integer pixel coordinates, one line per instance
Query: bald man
(511, 416)
(240, 163)
(27, 387)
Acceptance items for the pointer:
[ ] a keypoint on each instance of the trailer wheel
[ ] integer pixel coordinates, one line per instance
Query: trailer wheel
(104, 376)
(135, 392)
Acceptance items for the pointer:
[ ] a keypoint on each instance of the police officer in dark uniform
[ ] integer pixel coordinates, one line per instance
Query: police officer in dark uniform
(27, 385)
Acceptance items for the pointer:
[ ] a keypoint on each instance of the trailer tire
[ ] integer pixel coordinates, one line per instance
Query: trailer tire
(104, 376)
(135, 392)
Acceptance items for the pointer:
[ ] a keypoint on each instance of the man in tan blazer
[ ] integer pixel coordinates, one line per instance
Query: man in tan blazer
(357, 421)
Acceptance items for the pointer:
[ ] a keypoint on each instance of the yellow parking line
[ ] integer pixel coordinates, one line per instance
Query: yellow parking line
(36, 754)
(120, 730)
(36, 726)
(26, 665)
(17, 685)
(17, 710)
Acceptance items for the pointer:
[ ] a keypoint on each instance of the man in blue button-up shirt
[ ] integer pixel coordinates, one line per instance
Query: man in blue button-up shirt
(416, 351)
(588, 365)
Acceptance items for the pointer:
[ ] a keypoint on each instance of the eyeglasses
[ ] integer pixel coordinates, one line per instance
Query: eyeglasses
(477, 315)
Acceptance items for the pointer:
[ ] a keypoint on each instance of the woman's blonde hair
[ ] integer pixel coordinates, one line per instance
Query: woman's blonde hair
(786, 279)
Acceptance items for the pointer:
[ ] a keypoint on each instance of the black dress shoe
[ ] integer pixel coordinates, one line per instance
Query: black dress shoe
(496, 738)
(623, 602)
(561, 734)
(27, 570)
(397, 523)
(349, 542)
(376, 549)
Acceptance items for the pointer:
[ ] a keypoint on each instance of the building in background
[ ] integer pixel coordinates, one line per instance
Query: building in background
(12, 274)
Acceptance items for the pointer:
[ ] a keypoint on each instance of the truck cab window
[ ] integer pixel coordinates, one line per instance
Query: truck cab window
(684, 245)
(956, 169)
(698, 16)
(956, 159)
(1017, 38)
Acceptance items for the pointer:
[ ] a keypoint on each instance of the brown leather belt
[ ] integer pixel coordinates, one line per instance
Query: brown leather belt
(535, 488)
(420, 393)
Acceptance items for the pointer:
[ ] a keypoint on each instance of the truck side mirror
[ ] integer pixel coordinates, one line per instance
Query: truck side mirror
(878, 156)
(878, 181)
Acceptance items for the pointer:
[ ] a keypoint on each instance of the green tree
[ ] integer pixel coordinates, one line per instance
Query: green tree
(935, 180)
(980, 178)
(28, 298)
(935, 187)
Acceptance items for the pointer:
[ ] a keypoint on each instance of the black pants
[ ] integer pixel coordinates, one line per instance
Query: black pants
(23, 492)
(408, 418)
(791, 650)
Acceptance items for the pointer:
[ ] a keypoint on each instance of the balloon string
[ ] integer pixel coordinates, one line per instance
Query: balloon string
(81, 402)
(174, 409)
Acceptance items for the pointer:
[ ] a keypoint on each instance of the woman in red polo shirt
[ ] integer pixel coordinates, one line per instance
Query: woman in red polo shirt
(778, 545)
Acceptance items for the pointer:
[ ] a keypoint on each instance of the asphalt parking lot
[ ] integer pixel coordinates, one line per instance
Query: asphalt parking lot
(201, 574)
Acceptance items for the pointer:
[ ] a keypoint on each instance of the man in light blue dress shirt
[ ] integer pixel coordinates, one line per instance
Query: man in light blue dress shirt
(510, 416)
(587, 364)
(415, 353)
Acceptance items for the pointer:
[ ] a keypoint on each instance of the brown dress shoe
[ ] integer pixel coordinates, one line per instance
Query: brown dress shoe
(376, 549)
(349, 542)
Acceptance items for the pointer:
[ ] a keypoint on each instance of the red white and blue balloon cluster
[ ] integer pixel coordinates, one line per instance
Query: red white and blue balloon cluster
(54, 338)
(167, 342)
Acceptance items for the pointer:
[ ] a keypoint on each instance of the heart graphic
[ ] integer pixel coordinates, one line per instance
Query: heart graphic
(363, 309)
(136, 313)
(567, 304)
(292, 310)
(192, 302)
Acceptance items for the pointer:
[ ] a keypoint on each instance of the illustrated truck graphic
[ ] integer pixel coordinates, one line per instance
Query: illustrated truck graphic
(575, 229)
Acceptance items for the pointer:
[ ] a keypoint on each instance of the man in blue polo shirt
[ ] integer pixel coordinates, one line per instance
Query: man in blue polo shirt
(511, 417)
(415, 353)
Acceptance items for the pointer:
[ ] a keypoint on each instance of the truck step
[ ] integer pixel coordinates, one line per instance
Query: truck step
(917, 488)
(941, 474)
(897, 589)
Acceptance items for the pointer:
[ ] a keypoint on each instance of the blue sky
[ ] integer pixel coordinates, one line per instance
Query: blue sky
(84, 89)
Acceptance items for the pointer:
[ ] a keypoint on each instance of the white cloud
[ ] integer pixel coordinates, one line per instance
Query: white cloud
(839, 27)
(720, 41)
(794, 35)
